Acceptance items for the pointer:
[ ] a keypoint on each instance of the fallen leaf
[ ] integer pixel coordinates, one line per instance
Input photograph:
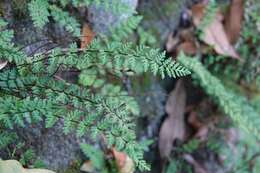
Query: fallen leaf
(215, 36)
(178, 37)
(87, 167)
(233, 20)
(201, 130)
(86, 36)
(123, 162)
(13, 166)
(3, 64)
(193, 121)
(172, 41)
(196, 166)
(173, 126)
(189, 48)
(214, 33)
(197, 12)
(202, 133)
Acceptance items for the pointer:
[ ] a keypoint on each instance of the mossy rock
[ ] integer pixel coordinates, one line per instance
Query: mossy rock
(13, 166)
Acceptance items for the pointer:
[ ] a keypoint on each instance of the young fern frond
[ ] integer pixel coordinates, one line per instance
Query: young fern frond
(123, 29)
(7, 50)
(232, 104)
(39, 12)
(64, 19)
(6, 139)
(95, 155)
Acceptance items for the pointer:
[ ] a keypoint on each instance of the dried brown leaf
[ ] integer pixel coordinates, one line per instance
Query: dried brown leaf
(201, 128)
(173, 126)
(215, 36)
(193, 121)
(233, 20)
(123, 162)
(172, 42)
(87, 167)
(187, 47)
(183, 38)
(214, 33)
(202, 133)
(197, 12)
(86, 35)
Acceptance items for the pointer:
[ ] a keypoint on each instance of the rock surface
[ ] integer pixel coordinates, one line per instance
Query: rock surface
(101, 19)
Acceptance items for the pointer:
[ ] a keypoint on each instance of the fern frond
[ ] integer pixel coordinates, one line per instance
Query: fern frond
(95, 155)
(100, 115)
(39, 12)
(64, 19)
(6, 138)
(124, 28)
(232, 104)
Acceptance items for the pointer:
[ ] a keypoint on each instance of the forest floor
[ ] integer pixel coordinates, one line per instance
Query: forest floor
(199, 126)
